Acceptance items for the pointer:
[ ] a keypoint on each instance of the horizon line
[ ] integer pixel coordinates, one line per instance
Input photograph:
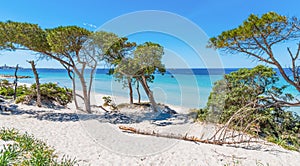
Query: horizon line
(166, 68)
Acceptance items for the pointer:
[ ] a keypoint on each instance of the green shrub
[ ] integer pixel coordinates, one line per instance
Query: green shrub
(52, 92)
(23, 90)
(28, 151)
(7, 89)
(202, 114)
(107, 100)
(253, 91)
(21, 99)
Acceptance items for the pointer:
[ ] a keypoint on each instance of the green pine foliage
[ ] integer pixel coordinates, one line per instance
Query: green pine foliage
(257, 36)
(271, 24)
(239, 89)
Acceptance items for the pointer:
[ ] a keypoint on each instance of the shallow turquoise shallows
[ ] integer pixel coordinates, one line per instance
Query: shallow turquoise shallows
(182, 87)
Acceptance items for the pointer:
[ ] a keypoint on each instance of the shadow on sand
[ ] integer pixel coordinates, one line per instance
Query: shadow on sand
(163, 118)
(159, 119)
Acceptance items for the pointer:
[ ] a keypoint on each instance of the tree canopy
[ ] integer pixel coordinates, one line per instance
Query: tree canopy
(77, 49)
(257, 36)
(16, 35)
(148, 57)
(139, 63)
(63, 44)
(66, 40)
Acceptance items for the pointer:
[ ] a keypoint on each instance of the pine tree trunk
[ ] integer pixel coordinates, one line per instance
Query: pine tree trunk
(72, 77)
(74, 93)
(149, 93)
(94, 68)
(130, 90)
(138, 91)
(73, 88)
(85, 95)
(37, 82)
(86, 98)
(16, 82)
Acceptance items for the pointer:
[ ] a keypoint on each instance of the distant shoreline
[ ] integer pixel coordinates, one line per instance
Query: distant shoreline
(226, 68)
(170, 71)
(11, 76)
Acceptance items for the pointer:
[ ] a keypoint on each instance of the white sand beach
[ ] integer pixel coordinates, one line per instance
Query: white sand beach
(97, 140)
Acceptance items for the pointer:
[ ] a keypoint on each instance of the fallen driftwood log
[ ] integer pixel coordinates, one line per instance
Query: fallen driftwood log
(180, 137)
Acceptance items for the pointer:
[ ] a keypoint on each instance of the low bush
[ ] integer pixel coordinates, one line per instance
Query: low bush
(51, 93)
(7, 89)
(108, 102)
(21, 99)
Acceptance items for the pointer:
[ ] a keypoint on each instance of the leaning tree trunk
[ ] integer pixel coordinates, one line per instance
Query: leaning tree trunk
(74, 92)
(94, 68)
(38, 91)
(16, 82)
(72, 77)
(86, 98)
(130, 90)
(149, 93)
(138, 91)
(86, 90)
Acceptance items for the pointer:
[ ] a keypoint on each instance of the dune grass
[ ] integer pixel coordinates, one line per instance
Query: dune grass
(24, 149)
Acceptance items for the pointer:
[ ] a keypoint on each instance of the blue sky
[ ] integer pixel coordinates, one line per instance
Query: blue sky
(212, 16)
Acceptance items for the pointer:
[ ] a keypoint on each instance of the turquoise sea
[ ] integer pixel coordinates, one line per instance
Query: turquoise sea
(182, 87)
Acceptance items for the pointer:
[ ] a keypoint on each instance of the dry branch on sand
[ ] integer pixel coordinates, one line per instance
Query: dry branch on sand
(182, 137)
(224, 135)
